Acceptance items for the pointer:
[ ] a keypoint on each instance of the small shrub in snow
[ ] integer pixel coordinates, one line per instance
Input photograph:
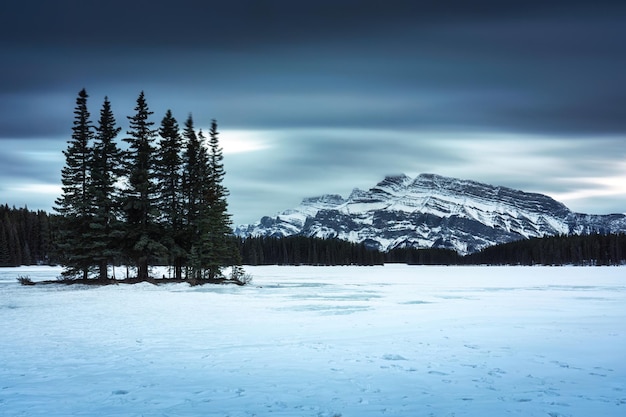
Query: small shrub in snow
(25, 280)
(239, 274)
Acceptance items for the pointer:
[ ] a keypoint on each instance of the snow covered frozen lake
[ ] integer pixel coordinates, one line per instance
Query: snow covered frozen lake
(320, 341)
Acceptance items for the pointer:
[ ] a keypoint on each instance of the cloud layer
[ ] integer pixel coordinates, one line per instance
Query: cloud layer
(333, 95)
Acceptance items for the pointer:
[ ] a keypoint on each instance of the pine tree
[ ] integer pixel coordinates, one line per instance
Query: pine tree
(199, 226)
(213, 249)
(106, 171)
(219, 218)
(74, 205)
(141, 234)
(192, 181)
(207, 220)
(192, 192)
(169, 191)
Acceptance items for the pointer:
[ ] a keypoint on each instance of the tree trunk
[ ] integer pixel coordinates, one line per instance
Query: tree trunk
(142, 270)
(178, 269)
(103, 276)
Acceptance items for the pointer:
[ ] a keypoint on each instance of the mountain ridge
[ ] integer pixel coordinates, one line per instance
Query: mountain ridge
(432, 211)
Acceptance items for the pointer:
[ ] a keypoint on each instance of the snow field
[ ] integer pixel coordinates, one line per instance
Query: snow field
(320, 341)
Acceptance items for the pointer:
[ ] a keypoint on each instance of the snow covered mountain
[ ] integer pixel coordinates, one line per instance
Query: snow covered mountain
(432, 211)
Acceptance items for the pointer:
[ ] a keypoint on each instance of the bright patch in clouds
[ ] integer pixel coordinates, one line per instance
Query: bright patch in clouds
(38, 189)
(490, 156)
(240, 141)
(595, 187)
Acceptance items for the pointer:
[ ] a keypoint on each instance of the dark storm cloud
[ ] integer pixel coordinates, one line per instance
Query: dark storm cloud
(249, 22)
(34, 116)
(527, 66)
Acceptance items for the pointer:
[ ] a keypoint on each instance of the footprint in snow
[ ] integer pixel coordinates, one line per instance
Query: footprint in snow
(393, 357)
(497, 372)
(437, 373)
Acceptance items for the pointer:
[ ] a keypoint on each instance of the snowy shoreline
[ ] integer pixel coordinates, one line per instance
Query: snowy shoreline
(320, 341)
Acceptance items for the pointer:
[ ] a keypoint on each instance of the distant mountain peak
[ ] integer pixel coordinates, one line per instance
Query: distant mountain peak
(431, 211)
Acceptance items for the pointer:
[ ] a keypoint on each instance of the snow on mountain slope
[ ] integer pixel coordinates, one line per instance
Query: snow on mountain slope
(432, 211)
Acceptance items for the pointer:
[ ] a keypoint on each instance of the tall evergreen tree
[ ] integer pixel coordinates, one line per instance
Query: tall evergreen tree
(139, 205)
(74, 205)
(192, 192)
(169, 184)
(106, 171)
(213, 248)
(216, 200)
(192, 174)
(198, 171)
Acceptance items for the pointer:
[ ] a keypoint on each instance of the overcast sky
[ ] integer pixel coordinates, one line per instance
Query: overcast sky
(315, 97)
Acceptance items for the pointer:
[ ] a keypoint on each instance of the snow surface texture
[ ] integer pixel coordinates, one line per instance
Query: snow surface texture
(432, 211)
(320, 341)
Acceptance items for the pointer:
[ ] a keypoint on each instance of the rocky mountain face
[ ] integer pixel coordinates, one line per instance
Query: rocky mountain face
(432, 211)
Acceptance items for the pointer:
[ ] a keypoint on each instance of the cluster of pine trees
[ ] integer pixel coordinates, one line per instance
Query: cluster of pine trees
(160, 200)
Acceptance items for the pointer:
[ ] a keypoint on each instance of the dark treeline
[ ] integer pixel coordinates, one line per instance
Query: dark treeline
(25, 237)
(429, 256)
(593, 249)
(301, 250)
